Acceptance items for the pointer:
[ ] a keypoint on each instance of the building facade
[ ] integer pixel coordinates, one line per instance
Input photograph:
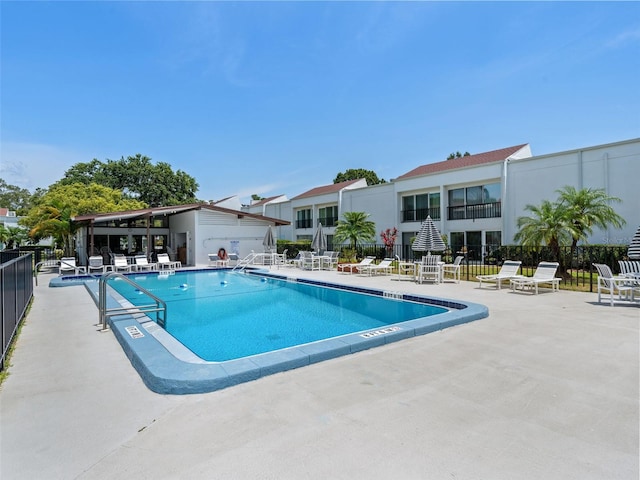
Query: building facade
(475, 200)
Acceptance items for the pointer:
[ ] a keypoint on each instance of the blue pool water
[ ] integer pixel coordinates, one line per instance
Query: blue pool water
(223, 315)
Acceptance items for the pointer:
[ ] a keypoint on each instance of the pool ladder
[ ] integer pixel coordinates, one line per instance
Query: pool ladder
(159, 307)
(245, 262)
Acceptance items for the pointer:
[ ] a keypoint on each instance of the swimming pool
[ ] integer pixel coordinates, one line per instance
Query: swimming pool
(166, 366)
(222, 315)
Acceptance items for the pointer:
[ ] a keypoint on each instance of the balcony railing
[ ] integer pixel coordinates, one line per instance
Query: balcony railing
(306, 223)
(328, 221)
(419, 214)
(471, 212)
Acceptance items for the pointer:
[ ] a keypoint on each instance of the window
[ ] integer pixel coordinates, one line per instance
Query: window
(415, 208)
(493, 239)
(480, 201)
(303, 218)
(456, 197)
(328, 216)
(474, 195)
(492, 193)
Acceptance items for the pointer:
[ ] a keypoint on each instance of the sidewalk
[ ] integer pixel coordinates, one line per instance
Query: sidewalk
(547, 387)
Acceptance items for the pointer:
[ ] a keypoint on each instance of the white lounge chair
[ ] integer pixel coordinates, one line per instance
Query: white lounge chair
(68, 265)
(143, 264)
(453, 269)
(508, 271)
(120, 264)
(96, 263)
(164, 261)
(612, 285)
(545, 273)
(342, 267)
(384, 267)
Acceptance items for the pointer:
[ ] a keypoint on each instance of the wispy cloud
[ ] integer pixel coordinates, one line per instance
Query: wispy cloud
(31, 166)
(625, 38)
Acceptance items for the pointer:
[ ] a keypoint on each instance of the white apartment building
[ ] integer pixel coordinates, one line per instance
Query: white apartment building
(474, 200)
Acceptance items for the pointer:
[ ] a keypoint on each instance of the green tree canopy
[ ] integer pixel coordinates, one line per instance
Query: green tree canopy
(356, 228)
(14, 198)
(53, 213)
(358, 173)
(568, 220)
(137, 178)
(547, 225)
(457, 155)
(587, 208)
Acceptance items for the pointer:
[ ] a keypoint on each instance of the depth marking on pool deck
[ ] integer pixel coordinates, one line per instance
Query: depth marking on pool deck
(380, 332)
(134, 332)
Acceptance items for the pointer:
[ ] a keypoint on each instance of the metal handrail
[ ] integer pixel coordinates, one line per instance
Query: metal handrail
(159, 306)
(245, 262)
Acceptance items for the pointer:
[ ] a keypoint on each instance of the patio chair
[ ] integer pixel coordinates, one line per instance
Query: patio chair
(355, 267)
(309, 261)
(629, 267)
(545, 273)
(330, 260)
(68, 265)
(430, 268)
(508, 271)
(283, 261)
(143, 264)
(384, 267)
(453, 269)
(610, 284)
(96, 263)
(164, 261)
(120, 263)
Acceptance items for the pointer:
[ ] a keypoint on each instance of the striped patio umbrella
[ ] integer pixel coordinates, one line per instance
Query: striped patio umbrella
(428, 238)
(319, 242)
(268, 243)
(634, 246)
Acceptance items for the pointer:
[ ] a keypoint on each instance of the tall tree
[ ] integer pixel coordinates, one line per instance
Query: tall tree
(138, 178)
(55, 209)
(587, 208)
(358, 173)
(14, 198)
(356, 228)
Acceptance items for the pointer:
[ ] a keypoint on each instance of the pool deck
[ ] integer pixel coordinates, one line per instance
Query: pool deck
(546, 387)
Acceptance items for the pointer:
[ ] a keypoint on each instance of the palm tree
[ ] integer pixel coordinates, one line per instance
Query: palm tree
(587, 208)
(356, 228)
(55, 220)
(548, 225)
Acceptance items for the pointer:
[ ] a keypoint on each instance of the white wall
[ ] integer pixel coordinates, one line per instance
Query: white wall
(613, 167)
(215, 230)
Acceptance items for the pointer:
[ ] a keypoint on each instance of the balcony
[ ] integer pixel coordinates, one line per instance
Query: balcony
(328, 221)
(306, 223)
(418, 215)
(471, 212)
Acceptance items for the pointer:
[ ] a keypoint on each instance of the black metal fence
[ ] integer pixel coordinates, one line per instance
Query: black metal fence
(575, 265)
(16, 291)
(40, 254)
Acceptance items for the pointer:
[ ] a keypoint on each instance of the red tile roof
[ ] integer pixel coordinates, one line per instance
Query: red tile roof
(265, 200)
(334, 187)
(462, 162)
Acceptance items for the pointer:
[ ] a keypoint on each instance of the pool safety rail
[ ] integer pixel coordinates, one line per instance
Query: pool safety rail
(158, 306)
(245, 262)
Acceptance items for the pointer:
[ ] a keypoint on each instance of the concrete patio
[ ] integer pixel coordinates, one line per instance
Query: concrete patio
(546, 387)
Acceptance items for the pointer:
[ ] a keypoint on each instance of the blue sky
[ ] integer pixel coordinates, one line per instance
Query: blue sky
(278, 97)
